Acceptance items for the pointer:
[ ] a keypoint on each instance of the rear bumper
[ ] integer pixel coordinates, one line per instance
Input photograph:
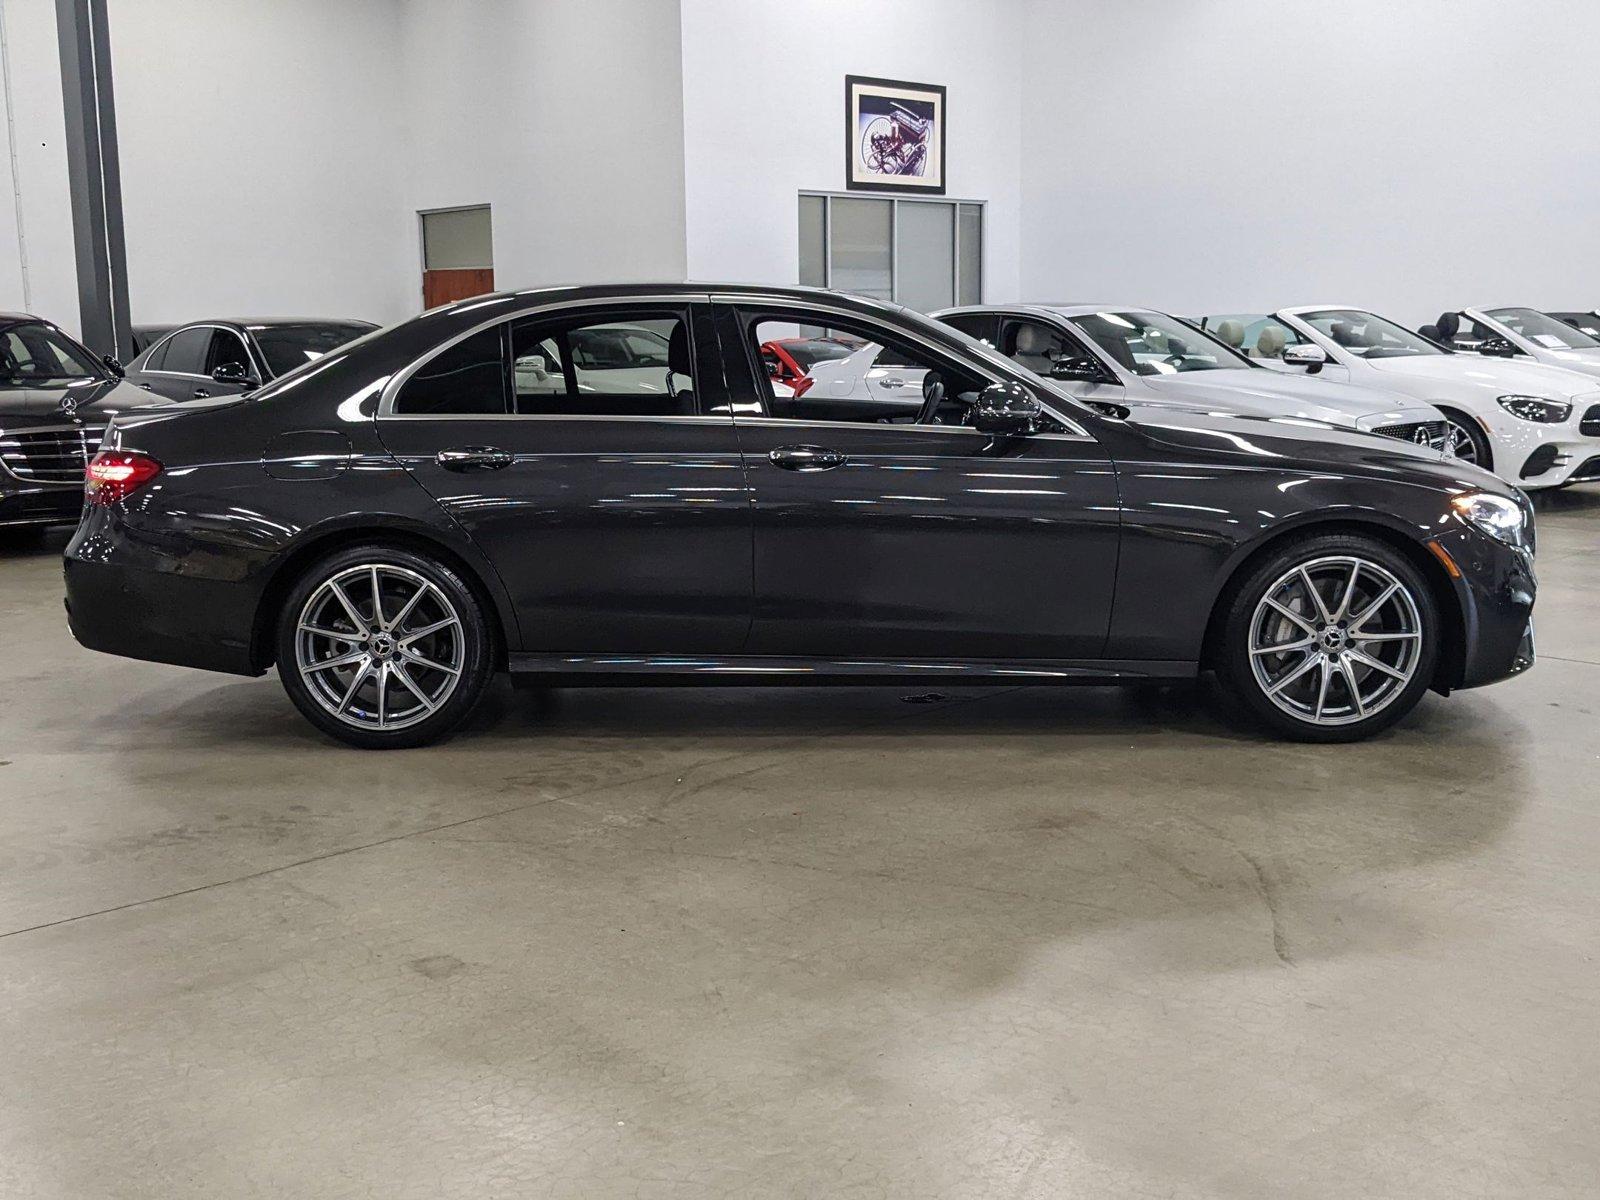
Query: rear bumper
(122, 599)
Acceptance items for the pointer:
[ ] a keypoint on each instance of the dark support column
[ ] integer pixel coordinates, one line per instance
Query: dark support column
(94, 175)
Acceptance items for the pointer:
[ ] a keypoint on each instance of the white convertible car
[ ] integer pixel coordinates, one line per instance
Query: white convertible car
(1121, 355)
(1532, 423)
(1518, 333)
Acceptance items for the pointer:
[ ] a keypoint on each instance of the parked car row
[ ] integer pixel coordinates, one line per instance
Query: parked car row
(56, 396)
(705, 483)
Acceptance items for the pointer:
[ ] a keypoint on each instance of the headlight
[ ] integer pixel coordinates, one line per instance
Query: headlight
(1535, 408)
(1502, 519)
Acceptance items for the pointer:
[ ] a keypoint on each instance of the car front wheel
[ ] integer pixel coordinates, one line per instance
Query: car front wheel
(1330, 639)
(383, 648)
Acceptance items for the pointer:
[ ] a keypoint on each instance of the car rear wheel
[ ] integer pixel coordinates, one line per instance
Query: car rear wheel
(1330, 639)
(382, 648)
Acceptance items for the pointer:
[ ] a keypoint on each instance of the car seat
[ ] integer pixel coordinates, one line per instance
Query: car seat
(680, 362)
(1270, 342)
(1448, 325)
(1231, 332)
(1032, 347)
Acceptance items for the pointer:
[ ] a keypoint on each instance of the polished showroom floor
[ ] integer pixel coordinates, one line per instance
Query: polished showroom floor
(797, 943)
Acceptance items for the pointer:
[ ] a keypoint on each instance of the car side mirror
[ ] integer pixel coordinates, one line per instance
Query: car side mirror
(1077, 367)
(1306, 354)
(233, 374)
(1006, 409)
(1497, 348)
(114, 365)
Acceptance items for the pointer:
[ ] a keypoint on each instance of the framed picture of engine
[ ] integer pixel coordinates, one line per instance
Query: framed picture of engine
(894, 135)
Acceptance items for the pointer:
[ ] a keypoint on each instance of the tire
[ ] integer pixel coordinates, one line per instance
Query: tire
(405, 675)
(1323, 688)
(1467, 435)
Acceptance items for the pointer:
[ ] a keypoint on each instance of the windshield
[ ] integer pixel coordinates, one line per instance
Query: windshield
(1368, 336)
(286, 347)
(809, 352)
(33, 352)
(1542, 329)
(1150, 343)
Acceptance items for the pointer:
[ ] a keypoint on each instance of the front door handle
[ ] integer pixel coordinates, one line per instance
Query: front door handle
(201, 393)
(806, 458)
(474, 458)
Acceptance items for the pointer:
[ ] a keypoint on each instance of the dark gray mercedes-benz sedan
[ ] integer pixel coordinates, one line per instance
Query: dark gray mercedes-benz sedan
(610, 484)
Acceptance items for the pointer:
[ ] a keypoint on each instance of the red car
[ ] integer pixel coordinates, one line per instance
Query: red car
(789, 360)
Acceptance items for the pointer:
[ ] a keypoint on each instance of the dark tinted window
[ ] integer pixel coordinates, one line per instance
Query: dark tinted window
(286, 347)
(469, 377)
(632, 362)
(227, 347)
(977, 325)
(187, 349)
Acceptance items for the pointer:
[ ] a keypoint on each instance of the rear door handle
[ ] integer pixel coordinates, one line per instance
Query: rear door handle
(806, 458)
(891, 381)
(474, 458)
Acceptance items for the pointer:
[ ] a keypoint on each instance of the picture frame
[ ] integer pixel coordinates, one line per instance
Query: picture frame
(894, 136)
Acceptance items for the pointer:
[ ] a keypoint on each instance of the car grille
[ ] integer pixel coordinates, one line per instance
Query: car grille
(1590, 425)
(49, 455)
(1434, 434)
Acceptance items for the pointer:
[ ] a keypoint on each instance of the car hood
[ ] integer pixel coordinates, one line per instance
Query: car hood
(1269, 394)
(1286, 441)
(1495, 377)
(1586, 362)
(93, 401)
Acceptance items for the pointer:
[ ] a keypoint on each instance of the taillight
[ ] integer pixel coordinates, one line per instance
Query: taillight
(115, 475)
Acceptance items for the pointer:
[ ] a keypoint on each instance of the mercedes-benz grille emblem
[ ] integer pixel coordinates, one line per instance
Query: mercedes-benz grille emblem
(1420, 436)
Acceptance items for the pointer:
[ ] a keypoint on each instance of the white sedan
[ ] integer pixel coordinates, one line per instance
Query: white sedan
(1532, 423)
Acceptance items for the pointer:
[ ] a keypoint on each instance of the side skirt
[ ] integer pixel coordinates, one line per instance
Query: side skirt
(577, 670)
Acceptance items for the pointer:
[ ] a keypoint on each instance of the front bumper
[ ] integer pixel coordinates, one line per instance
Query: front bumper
(1495, 593)
(38, 504)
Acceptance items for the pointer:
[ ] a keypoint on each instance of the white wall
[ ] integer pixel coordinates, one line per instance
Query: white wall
(763, 104)
(1238, 156)
(566, 116)
(260, 159)
(40, 128)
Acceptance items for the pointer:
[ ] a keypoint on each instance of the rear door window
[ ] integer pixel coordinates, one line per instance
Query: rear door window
(187, 349)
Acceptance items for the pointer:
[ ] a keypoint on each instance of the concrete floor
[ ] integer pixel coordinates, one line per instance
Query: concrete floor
(797, 943)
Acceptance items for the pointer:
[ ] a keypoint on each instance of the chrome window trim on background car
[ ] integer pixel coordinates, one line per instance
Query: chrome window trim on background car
(249, 350)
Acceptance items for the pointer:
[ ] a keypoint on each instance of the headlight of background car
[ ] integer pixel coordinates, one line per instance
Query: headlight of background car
(1535, 408)
(1502, 519)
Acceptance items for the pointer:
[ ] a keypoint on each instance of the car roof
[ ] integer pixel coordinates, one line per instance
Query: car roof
(1073, 309)
(488, 305)
(260, 322)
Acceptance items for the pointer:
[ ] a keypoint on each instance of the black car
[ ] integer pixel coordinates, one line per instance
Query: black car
(55, 399)
(459, 495)
(226, 358)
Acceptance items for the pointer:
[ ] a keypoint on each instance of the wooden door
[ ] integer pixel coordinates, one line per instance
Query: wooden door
(446, 285)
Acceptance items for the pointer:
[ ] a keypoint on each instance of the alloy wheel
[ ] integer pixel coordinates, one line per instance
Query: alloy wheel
(1460, 441)
(1335, 640)
(379, 646)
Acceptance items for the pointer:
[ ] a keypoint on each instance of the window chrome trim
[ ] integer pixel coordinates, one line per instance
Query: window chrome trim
(249, 351)
(982, 366)
(401, 377)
